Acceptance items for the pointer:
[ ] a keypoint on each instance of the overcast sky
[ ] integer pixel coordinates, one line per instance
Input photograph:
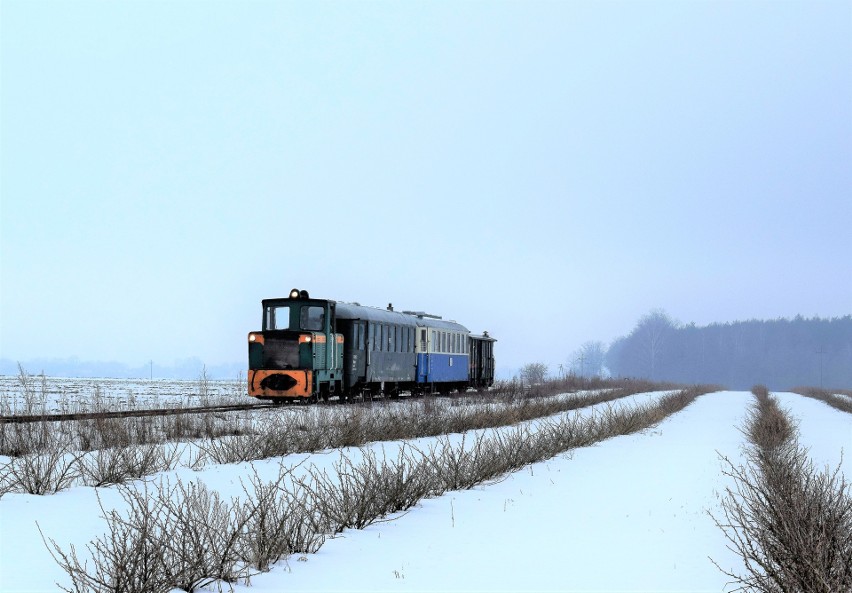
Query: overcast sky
(547, 171)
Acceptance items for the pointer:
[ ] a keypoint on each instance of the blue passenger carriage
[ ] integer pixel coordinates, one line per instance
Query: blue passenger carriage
(442, 354)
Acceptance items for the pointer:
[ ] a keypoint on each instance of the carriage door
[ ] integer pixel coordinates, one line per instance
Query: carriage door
(422, 354)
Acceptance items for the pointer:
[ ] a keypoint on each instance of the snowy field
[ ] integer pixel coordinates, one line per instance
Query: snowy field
(60, 394)
(629, 514)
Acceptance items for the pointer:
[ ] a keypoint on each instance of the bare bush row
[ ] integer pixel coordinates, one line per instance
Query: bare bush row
(516, 389)
(355, 426)
(509, 402)
(103, 433)
(122, 449)
(185, 536)
(790, 522)
(844, 404)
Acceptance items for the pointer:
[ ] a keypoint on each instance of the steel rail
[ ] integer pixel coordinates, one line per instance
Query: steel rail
(22, 419)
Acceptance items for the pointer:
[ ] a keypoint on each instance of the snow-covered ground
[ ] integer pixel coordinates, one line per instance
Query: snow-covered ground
(62, 394)
(629, 514)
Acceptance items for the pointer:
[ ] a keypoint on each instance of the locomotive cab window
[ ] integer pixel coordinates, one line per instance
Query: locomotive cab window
(277, 318)
(312, 318)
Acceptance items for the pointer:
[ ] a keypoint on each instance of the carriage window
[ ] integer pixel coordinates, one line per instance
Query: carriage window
(435, 342)
(392, 338)
(371, 339)
(313, 318)
(277, 318)
(423, 340)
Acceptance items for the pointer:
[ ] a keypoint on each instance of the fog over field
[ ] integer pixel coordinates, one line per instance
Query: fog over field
(547, 171)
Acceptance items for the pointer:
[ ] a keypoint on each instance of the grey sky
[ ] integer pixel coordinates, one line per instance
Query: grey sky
(546, 171)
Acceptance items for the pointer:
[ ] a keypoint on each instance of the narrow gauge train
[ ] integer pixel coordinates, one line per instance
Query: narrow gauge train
(312, 349)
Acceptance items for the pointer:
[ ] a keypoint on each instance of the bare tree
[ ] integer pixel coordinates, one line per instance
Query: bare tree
(588, 360)
(534, 372)
(652, 331)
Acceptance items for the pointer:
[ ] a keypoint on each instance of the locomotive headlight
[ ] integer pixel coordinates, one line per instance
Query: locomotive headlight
(294, 294)
(252, 337)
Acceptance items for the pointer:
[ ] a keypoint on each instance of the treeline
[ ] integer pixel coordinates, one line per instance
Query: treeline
(778, 353)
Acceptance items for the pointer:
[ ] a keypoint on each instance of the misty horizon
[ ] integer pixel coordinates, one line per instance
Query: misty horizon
(193, 368)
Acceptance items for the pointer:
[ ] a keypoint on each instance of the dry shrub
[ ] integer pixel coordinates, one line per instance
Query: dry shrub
(790, 523)
(128, 558)
(357, 494)
(183, 536)
(204, 536)
(840, 403)
(41, 473)
(460, 467)
(116, 466)
(282, 520)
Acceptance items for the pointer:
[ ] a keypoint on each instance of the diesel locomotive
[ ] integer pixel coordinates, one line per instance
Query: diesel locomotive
(313, 349)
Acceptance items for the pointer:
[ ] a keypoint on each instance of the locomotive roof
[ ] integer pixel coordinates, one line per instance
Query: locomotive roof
(355, 311)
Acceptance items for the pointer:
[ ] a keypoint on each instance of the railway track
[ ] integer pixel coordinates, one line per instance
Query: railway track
(22, 419)
(258, 405)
